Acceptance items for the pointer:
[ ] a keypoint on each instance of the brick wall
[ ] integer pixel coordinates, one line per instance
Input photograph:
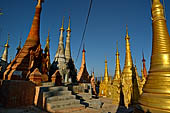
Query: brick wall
(16, 93)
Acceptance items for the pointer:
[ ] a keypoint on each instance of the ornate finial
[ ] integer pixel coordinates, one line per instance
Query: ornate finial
(154, 1)
(105, 59)
(48, 38)
(143, 60)
(39, 3)
(6, 45)
(127, 34)
(84, 47)
(69, 25)
(117, 52)
(62, 27)
(19, 46)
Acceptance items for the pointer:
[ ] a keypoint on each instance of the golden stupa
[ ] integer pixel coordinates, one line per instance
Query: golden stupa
(104, 84)
(156, 92)
(116, 85)
(126, 76)
(130, 79)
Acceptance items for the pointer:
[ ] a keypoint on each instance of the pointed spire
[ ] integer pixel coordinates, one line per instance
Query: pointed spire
(127, 34)
(33, 39)
(19, 47)
(117, 52)
(106, 77)
(6, 45)
(128, 58)
(67, 48)
(159, 65)
(117, 69)
(5, 53)
(60, 54)
(83, 75)
(47, 45)
(83, 57)
(144, 66)
(39, 3)
(69, 29)
(62, 26)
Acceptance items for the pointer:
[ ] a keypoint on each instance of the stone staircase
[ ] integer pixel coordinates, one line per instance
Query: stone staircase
(58, 99)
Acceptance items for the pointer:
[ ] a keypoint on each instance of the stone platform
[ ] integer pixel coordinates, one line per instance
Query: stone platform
(107, 107)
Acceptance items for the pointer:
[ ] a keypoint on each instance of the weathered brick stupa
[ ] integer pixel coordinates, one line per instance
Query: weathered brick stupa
(83, 75)
(29, 57)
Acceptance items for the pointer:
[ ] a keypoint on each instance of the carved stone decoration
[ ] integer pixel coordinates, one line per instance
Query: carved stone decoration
(57, 78)
(36, 77)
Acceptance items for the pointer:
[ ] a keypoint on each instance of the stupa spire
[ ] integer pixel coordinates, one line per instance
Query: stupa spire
(101, 79)
(67, 49)
(33, 39)
(159, 66)
(47, 45)
(128, 58)
(62, 26)
(69, 29)
(19, 46)
(83, 75)
(106, 77)
(127, 73)
(5, 53)
(60, 51)
(117, 69)
(144, 66)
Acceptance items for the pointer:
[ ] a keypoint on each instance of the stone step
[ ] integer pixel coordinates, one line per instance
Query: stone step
(94, 103)
(47, 84)
(85, 96)
(67, 109)
(59, 98)
(56, 93)
(58, 88)
(62, 104)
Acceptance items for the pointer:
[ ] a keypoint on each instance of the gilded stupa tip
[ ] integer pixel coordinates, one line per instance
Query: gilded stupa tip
(101, 78)
(117, 52)
(155, 1)
(127, 34)
(69, 29)
(48, 37)
(62, 26)
(105, 59)
(7, 45)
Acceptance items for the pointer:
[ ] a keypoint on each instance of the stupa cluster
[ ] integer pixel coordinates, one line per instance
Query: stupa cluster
(149, 92)
(128, 82)
(33, 63)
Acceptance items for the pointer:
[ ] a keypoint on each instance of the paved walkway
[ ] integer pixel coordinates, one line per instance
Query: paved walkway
(107, 107)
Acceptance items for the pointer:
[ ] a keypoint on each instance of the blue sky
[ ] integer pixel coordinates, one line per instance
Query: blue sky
(107, 23)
